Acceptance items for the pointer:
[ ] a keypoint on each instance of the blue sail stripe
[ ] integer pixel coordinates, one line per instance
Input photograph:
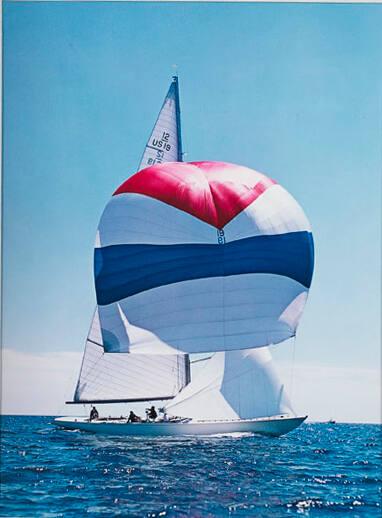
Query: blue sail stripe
(125, 270)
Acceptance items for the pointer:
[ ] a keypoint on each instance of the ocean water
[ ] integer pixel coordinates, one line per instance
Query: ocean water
(317, 470)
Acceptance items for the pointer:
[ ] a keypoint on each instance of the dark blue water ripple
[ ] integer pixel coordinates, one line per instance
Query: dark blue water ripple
(317, 470)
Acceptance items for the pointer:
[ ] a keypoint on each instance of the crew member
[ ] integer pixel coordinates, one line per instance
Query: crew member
(133, 418)
(152, 413)
(93, 413)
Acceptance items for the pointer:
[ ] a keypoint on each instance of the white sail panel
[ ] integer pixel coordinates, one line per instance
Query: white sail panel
(164, 144)
(274, 212)
(232, 385)
(126, 377)
(149, 222)
(203, 315)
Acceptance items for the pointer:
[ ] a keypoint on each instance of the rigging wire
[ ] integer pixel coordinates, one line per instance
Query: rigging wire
(292, 367)
(184, 151)
(201, 359)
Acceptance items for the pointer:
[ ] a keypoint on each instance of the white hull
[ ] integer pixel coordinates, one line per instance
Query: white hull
(272, 426)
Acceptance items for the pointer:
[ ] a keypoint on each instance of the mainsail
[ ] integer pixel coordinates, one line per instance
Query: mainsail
(108, 378)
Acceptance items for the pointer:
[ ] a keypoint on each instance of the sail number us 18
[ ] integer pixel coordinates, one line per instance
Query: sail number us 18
(160, 145)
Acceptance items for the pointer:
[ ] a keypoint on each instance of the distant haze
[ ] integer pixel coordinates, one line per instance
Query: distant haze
(322, 392)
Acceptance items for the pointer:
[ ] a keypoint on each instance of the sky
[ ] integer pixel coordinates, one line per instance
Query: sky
(291, 90)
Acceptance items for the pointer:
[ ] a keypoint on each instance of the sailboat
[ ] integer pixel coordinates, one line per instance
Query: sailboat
(192, 259)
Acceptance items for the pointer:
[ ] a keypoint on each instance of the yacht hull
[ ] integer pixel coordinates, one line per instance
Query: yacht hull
(271, 426)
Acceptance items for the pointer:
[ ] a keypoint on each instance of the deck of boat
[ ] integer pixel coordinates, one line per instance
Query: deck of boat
(272, 426)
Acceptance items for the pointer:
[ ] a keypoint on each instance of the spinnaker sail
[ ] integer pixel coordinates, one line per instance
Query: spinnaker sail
(201, 257)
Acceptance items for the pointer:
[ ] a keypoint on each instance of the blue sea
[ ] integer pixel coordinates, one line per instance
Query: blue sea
(317, 470)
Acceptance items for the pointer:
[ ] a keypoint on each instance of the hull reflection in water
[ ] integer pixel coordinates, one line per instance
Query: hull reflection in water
(272, 426)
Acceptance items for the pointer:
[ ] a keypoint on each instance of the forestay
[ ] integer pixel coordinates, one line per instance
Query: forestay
(232, 385)
(112, 378)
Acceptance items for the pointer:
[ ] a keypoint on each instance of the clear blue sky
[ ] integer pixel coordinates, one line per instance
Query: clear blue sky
(291, 90)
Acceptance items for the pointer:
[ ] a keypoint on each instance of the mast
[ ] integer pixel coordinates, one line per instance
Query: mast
(177, 111)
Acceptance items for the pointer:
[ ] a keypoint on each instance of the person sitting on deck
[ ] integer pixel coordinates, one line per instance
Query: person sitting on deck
(93, 413)
(133, 418)
(152, 413)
